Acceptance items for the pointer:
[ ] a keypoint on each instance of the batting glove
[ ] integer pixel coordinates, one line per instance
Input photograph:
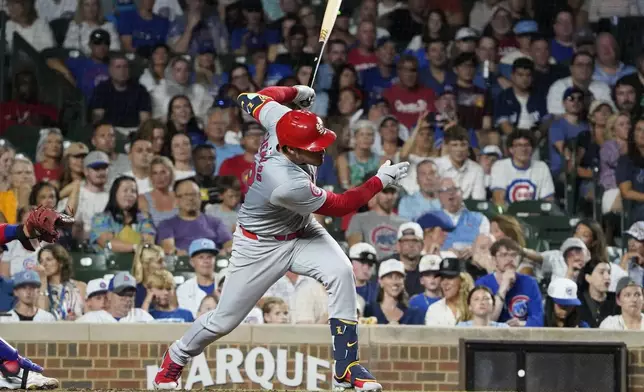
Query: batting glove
(390, 174)
(305, 97)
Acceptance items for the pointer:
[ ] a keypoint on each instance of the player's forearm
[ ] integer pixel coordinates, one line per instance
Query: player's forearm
(341, 204)
(280, 94)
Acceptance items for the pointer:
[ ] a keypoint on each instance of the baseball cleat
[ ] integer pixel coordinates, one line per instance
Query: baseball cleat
(356, 377)
(169, 374)
(9, 379)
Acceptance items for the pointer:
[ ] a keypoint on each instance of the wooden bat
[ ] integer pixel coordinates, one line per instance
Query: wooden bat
(330, 15)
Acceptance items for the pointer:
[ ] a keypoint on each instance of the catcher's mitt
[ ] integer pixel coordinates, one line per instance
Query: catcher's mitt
(43, 223)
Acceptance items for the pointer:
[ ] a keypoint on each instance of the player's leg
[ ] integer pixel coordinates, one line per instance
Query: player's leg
(255, 266)
(322, 259)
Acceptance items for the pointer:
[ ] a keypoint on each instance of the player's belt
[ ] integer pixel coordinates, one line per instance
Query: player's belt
(287, 237)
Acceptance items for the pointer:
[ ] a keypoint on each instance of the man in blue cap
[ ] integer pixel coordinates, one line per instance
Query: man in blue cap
(566, 128)
(26, 289)
(524, 30)
(202, 252)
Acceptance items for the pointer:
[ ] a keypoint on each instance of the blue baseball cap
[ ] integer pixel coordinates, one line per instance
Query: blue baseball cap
(380, 42)
(573, 90)
(526, 27)
(122, 281)
(26, 277)
(202, 245)
(433, 219)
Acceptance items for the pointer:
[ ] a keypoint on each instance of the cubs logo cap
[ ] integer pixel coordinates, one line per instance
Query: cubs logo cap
(122, 281)
(390, 266)
(201, 245)
(95, 287)
(26, 277)
(429, 263)
(563, 292)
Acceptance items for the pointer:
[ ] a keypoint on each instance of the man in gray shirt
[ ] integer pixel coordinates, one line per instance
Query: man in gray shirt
(104, 139)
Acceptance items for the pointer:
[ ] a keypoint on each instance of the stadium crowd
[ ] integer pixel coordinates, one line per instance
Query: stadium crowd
(497, 105)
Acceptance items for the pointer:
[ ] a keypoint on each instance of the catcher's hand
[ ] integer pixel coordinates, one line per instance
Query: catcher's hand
(43, 223)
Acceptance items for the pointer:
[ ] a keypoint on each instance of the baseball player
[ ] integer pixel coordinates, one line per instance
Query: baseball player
(276, 233)
(42, 224)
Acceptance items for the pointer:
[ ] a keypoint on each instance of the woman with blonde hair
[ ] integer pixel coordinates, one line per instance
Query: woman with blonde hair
(453, 307)
(618, 126)
(21, 180)
(7, 154)
(147, 259)
(73, 167)
(161, 299)
(49, 153)
(160, 202)
(89, 17)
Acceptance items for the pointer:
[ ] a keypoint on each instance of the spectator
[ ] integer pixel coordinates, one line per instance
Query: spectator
(480, 263)
(410, 244)
(91, 69)
(631, 184)
(21, 181)
(523, 30)
(72, 163)
(363, 56)
(414, 205)
(241, 165)
(635, 81)
(379, 225)
(121, 308)
(7, 155)
(161, 300)
(597, 302)
(26, 286)
(354, 165)
(562, 43)
(519, 296)
(121, 227)
(564, 129)
(381, 76)
(307, 301)
(436, 225)
(208, 304)
(581, 72)
(24, 20)
(598, 10)
(405, 23)
(545, 72)
(230, 200)
(176, 233)
(625, 95)
(49, 152)
(519, 177)
(218, 120)
(520, 107)
(487, 53)
(104, 140)
(336, 57)
(203, 157)
(482, 13)
(64, 296)
(608, 68)
(89, 197)
(490, 154)
(51, 10)
(254, 35)
(434, 72)
(147, 259)
(629, 298)
(197, 28)
(96, 295)
(562, 305)
(160, 202)
(391, 134)
(618, 129)
(192, 292)
(500, 27)
(178, 80)
(155, 132)
(363, 258)
(154, 74)
(140, 157)
(436, 28)
(88, 21)
(633, 260)
(15, 258)
(473, 106)
(181, 154)
(408, 98)
(481, 302)
(467, 174)
(430, 279)
(391, 305)
(465, 40)
(455, 286)
(119, 100)
(295, 55)
(274, 310)
(182, 119)
(567, 262)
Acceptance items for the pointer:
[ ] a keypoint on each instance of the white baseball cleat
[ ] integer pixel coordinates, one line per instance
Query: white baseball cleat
(35, 381)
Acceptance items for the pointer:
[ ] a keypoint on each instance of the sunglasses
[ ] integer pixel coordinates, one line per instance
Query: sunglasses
(80, 156)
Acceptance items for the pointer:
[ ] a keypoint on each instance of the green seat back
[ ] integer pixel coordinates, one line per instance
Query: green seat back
(487, 208)
(533, 207)
(24, 138)
(553, 230)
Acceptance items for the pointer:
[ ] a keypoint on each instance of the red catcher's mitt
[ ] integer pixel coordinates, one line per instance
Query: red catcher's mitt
(44, 223)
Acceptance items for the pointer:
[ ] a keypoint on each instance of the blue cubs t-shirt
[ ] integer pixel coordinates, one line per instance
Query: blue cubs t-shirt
(144, 32)
(88, 74)
(178, 315)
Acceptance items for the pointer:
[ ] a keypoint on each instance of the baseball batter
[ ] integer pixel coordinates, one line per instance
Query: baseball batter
(277, 233)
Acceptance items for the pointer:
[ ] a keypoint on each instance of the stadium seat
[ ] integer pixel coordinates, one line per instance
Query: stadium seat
(553, 230)
(525, 208)
(181, 265)
(119, 262)
(24, 138)
(487, 208)
(88, 266)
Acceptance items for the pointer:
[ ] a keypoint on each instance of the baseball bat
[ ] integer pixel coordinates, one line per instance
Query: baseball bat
(330, 15)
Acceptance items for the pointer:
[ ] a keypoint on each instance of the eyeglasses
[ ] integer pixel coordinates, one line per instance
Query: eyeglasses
(450, 190)
(507, 255)
(126, 293)
(189, 195)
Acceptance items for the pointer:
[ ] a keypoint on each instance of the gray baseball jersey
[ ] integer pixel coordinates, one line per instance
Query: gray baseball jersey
(281, 195)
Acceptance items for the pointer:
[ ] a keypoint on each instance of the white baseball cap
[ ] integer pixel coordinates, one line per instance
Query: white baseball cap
(636, 231)
(492, 149)
(466, 33)
(390, 266)
(96, 286)
(574, 242)
(410, 228)
(429, 263)
(563, 292)
(363, 252)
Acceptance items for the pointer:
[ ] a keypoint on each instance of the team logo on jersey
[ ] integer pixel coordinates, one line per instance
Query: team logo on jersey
(521, 189)
(518, 307)
(384, 238)
(315, 191)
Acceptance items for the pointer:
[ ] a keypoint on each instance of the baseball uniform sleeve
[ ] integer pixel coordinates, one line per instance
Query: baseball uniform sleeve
(299, 195)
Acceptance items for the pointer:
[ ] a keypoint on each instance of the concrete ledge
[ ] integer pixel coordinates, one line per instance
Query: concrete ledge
(304, 334)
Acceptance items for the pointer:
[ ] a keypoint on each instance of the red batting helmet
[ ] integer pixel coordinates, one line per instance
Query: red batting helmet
(303, 130)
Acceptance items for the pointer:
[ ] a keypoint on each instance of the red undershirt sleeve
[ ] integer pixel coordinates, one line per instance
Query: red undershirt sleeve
(341, 204)
(280, 94)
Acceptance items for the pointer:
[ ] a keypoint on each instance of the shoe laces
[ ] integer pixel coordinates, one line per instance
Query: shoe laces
(173, 371)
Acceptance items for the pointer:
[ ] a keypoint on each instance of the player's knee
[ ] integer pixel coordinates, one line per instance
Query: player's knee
(343, 275)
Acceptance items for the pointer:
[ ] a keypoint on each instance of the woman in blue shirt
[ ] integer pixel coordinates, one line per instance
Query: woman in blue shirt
(391, 305)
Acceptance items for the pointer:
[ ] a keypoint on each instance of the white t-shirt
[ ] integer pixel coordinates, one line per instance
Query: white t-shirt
(42, 316)
(142, 183)
(89, 204)
(617, 323)
(599, 90)
(18, 258)
(38, 35)
(526, 121)
(50, 10)
(469, 177)
(533, 183)
(101, 316)
(183, 174)
(440, 315)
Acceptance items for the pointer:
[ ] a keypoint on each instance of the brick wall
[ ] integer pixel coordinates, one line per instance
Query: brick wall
(402, 358)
